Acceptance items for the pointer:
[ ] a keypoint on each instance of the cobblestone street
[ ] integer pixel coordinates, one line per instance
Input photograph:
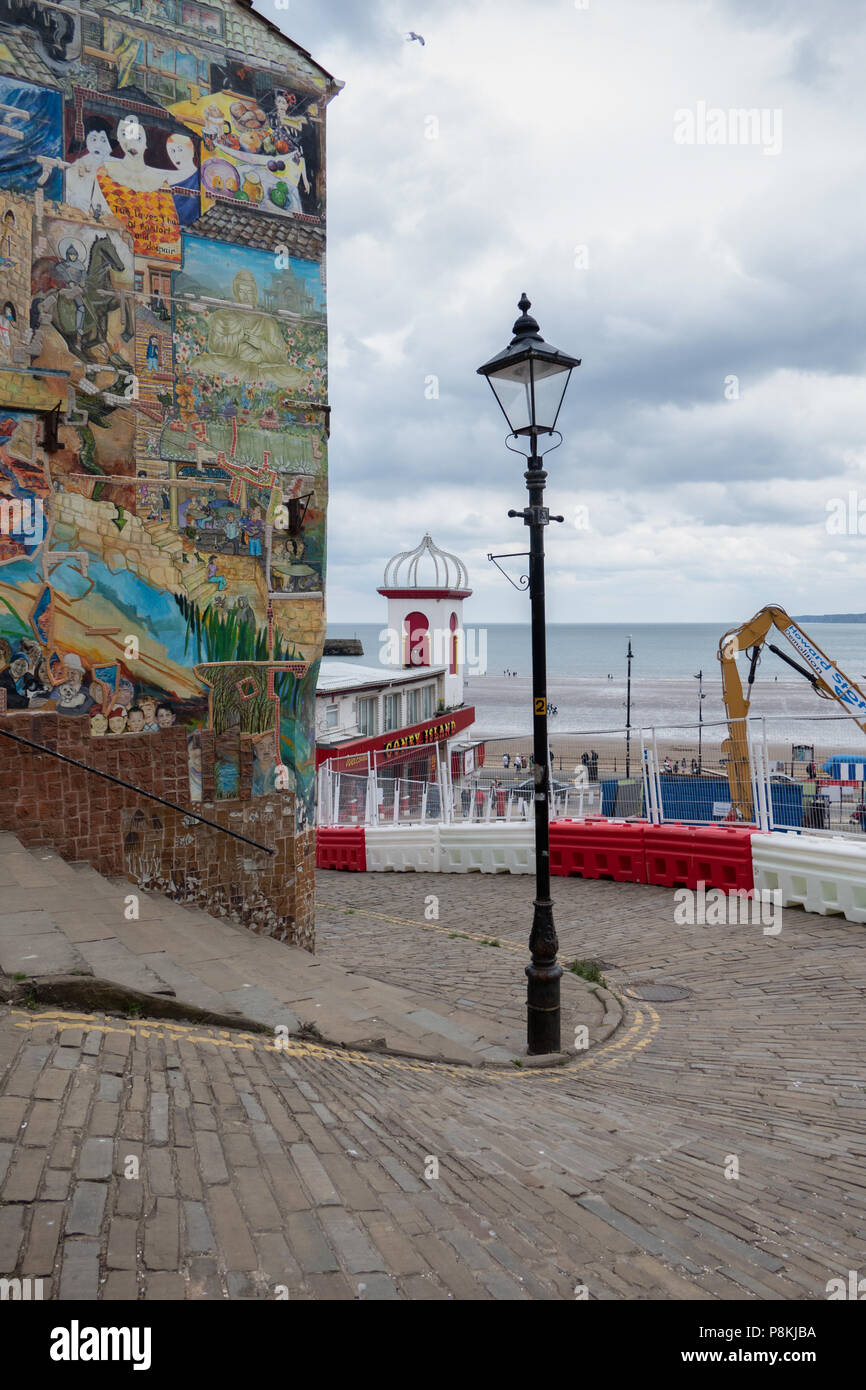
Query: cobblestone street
(171, 1160)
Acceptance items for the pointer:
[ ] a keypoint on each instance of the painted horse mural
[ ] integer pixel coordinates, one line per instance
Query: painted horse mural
(84, 297)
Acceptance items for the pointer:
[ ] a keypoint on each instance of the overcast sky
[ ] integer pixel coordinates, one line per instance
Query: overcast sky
(668, 267)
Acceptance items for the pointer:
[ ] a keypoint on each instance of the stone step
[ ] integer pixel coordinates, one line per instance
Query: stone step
(32, 944)
(170, 542)
(111, 960)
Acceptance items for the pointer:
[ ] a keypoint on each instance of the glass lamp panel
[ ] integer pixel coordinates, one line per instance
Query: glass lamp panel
(512, 388)
(551, 380)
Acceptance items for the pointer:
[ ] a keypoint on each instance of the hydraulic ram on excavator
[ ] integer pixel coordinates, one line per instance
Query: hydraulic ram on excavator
(823, 674)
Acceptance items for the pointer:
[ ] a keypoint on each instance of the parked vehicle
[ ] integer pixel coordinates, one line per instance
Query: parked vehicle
(527, 789)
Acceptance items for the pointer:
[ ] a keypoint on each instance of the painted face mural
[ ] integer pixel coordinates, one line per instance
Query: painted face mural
(163, 383)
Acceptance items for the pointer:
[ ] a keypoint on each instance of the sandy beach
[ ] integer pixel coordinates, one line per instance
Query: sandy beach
(592, 713)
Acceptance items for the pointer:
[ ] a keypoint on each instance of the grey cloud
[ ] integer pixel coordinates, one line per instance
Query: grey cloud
(659, 321)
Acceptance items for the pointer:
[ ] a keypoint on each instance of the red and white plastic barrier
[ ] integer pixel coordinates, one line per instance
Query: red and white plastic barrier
(824, 874)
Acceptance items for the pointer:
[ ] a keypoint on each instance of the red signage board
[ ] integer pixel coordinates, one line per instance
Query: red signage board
(397, 743)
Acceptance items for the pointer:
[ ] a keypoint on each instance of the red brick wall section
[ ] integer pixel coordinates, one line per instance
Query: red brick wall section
(118, 832)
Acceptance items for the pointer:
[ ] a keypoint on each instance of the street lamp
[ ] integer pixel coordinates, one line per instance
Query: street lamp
(629, 658)
(529, 379)
(701, 697)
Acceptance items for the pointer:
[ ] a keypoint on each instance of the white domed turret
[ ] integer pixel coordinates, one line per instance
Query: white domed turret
(425, 589)
(448, 573)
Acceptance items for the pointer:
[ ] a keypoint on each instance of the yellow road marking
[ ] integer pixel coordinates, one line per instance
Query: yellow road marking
(638, 1036)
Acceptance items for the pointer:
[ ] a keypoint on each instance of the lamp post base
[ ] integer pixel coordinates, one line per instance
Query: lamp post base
(543, 976)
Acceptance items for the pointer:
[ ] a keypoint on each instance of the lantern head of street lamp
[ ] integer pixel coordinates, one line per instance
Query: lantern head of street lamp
(529, 378)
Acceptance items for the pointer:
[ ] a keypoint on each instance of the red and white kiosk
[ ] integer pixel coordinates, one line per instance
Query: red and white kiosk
(406, 720)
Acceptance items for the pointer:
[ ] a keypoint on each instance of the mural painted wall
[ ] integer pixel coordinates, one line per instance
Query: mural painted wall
(163, 379)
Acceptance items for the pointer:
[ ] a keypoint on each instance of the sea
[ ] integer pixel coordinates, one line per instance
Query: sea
(587, 669)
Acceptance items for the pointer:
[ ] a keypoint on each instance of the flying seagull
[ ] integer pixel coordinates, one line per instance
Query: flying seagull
(412, 36)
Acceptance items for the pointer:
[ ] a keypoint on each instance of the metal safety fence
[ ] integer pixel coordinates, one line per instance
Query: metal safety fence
(772, 772)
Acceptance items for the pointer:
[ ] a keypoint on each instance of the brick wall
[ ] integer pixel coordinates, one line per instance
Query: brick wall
(120, 832)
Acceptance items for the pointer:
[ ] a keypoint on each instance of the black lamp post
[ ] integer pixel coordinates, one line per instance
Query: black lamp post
(700, 680)
(629, 657)
(529, 380)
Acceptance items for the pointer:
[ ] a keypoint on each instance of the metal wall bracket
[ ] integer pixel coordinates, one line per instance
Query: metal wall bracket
(523, 582)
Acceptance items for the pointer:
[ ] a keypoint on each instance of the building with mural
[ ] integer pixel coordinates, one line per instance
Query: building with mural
(163, 433)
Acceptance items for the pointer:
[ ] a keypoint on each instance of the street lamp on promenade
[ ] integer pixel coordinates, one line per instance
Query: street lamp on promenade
(529, 379)
(629, 658)
(701, 697)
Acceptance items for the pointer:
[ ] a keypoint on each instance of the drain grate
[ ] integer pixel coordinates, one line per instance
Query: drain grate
(658, 994)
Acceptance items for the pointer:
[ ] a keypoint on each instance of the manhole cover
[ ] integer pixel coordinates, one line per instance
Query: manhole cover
(658, 994)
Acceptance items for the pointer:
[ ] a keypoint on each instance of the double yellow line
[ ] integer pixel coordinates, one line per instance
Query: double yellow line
(637, 1037)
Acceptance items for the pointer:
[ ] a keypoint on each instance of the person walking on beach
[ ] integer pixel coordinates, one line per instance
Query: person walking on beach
(593, 766)
(505, 761)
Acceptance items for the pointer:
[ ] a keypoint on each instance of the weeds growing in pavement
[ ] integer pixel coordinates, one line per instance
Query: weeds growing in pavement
(588, 970)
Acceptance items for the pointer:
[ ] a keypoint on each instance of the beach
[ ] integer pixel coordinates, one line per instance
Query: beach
(592, 714)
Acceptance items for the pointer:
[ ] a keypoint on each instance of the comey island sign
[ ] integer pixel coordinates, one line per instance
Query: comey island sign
(428, 733)
(397, 744)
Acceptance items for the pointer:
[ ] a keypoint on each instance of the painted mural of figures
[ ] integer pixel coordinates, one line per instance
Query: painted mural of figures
(72, 695)
(70, 273)
(295, 173)
(11, 677)
(8, 327)
(35, 681)
(75, 291)
(81, 188)
(148, 709)
(117, 720)
(165, 716)
(244, 344)
(265, 764)
(98, 694)
(125, 695)
(212, 576)
(136, 192)
(186, 181)
(254, 529)
(284, 129)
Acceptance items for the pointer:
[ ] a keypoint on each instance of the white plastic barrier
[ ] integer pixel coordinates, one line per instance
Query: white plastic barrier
(822, 874)
(472, 847)
(400, 848)
(496, 848)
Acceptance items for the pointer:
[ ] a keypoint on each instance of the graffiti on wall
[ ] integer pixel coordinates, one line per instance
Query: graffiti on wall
(163, 379)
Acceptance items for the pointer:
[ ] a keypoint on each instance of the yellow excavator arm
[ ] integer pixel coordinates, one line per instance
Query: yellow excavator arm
(823, 674)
